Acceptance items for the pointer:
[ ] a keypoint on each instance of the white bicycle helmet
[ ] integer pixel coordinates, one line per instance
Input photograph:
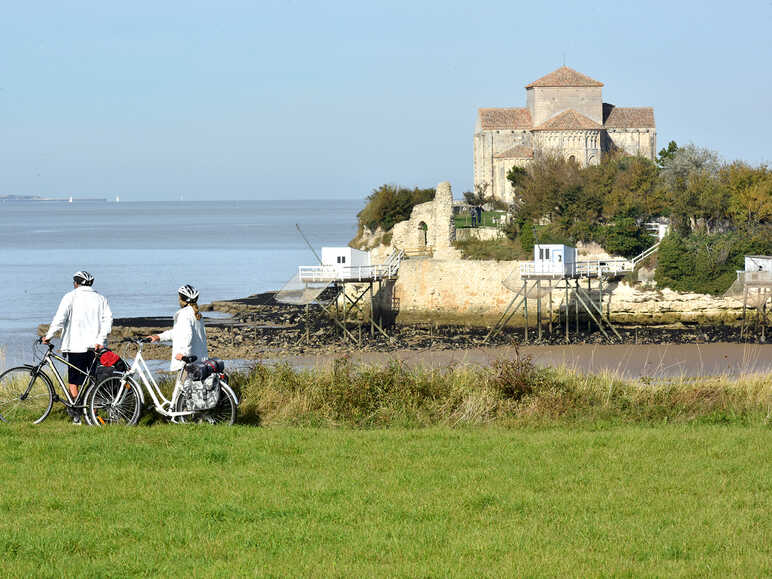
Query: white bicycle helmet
(83, 278)
(188, 293)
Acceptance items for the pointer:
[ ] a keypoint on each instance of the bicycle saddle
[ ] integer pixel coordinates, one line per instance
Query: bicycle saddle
(189, 359)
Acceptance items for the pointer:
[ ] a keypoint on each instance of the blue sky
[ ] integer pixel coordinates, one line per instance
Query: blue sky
(297, 99)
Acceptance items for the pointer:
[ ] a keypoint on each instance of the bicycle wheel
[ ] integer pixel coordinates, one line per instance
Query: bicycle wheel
(223, 413)
(114, 401)
(25, 397)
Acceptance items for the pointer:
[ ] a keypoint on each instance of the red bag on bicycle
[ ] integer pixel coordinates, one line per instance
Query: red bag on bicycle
(109, 359)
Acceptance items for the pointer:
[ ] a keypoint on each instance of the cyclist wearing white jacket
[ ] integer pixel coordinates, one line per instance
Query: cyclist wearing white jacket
(85, 319)
(188, 335)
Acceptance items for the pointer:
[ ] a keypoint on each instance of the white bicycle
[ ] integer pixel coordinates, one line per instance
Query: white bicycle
(119, 399)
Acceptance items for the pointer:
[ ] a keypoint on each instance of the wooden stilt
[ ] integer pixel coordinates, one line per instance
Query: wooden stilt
(538, 307)
(568, 313)
(525, 307)
(550, 308)
(589, 293)
(600, 296)
(372, 311)
(576, 281)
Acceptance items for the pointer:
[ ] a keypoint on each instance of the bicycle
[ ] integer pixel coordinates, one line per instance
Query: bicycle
(119, 399)
(27, 393)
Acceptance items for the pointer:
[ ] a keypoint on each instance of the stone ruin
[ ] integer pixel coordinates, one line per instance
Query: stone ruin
(431, 229)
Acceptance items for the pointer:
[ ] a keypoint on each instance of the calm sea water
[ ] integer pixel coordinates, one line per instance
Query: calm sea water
(140, 253)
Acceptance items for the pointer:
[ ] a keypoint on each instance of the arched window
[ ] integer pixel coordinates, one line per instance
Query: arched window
(422, 234)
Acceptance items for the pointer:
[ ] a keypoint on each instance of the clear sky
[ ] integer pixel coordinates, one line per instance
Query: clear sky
(304, 99)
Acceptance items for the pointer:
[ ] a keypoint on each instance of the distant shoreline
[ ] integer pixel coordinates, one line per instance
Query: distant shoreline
(37, 198)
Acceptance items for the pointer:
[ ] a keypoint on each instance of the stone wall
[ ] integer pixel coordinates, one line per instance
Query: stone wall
(452, 291)
(479, 233)
(473, 293)
(547, 101)
(583, 146)
(641, 142)
(410, 234)
(489, 143)
(502, 188)
(431, 224)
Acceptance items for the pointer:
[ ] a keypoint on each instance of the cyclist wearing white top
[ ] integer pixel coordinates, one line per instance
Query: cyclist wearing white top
(85, 319)
(188, 335)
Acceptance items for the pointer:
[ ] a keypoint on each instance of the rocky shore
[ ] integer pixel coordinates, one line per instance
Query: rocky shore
(258, 327)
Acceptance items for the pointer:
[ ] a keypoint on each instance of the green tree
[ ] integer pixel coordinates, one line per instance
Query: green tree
(685, 176)
(517, 176)
(625, 237)
(752, 205)
(666, 153)
(526, 237)
(707, 263)
(750, 190)
(675, 262)
(389, 204)
(634, 189)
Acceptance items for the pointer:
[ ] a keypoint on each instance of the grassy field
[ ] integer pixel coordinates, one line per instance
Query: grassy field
(489, 219)
(688, 499)
(386, 470)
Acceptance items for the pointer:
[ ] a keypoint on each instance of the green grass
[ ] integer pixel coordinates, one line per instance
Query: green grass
(512, 393)
(503, 249)
(689, 499)
(488, 219)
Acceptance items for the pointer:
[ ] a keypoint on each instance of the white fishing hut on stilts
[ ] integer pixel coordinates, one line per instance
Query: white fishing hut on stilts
(554, 269)
(350, 276)
(754, 283)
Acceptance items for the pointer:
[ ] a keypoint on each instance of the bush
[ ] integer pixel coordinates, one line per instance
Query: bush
(389, 204)
(509, 393)
(707, 263)
(499, 250)
(625, 237)
(527, 240)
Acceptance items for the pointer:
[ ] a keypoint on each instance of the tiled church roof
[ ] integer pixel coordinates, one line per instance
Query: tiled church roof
(567, 121)
(627, 118)
(512, 118)
(564, 76)
(518, 152)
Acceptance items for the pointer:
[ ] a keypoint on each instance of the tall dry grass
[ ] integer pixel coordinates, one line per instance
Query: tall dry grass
(509, 393)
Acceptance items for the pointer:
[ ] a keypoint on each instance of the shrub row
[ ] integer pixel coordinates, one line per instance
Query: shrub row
(510, 393)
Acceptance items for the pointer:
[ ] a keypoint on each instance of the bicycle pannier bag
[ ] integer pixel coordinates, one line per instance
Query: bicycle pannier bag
(201, 389)
(201, 394)
(113, 360)
(200, 370)
(109, 364)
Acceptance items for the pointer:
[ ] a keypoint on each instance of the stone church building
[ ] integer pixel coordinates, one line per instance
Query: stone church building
(565, 115)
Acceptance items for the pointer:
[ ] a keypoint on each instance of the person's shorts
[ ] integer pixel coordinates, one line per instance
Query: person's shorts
(82, 361)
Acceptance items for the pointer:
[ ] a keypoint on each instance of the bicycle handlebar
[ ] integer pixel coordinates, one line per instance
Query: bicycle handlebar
(49, 344)
(136, 340)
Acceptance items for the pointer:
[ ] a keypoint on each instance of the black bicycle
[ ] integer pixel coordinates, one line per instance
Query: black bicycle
(27, 393)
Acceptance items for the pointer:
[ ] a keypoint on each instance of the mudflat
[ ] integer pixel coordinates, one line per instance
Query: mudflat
(628, 360)
(257, 328)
